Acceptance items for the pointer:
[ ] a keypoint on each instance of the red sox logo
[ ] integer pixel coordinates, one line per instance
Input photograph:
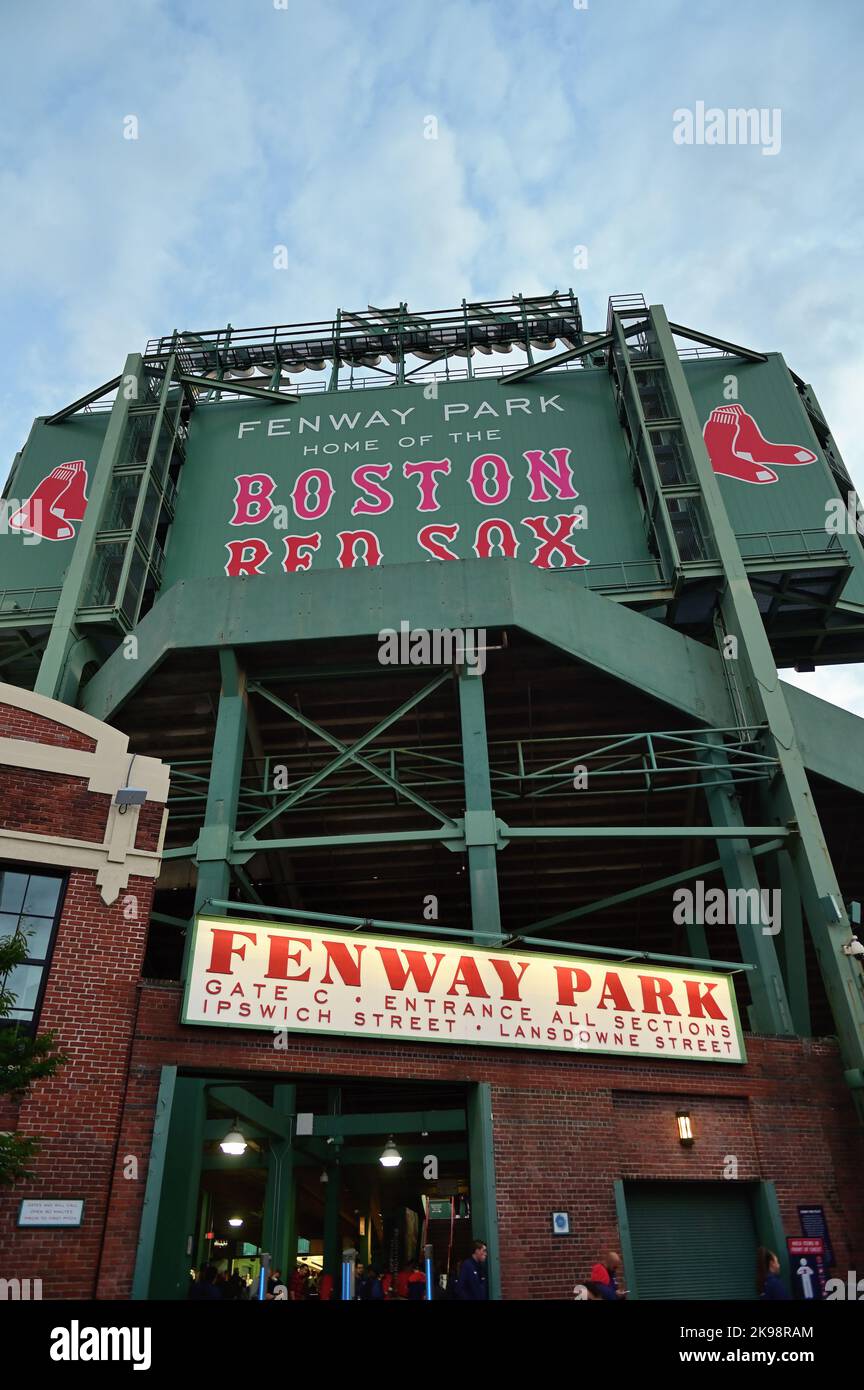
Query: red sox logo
(59, 499)
(738, 449)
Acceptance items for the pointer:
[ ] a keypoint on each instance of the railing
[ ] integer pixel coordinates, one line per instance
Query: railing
(29, 602)
(776, 545)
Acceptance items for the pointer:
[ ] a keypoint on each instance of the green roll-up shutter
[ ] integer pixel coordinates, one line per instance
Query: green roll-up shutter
(692, 1240)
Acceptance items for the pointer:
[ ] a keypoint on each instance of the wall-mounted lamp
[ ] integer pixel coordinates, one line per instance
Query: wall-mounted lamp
(685, 1127)
(235, 1220)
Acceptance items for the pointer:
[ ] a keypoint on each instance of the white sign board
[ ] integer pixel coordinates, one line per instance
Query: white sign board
(51, 1211)
(264, 975)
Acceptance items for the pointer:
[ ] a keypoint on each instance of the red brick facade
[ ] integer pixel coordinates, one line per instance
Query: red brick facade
(565, 1127)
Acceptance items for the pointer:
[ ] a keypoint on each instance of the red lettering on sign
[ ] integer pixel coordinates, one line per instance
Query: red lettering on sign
(571, 981)
(298, 551)
(348, 542)
(416, 966)
(302, 492)
(340, 955)
(425, 473)
(551, 541)
(508, 977)
(614, 989)
(252, 499)
(426, 537)
(657, 991)
(506, 538)
(246, 556)
(223, 949)
(700, 999)
(381, 498)
(468, 976)
(479, 480)
(280, 956)
(539, 472)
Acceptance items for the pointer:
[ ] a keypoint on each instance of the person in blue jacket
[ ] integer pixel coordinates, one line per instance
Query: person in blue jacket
(473, 1285)
(769, 1285)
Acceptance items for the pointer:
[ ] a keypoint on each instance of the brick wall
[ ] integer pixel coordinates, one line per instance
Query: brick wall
(564, 1127)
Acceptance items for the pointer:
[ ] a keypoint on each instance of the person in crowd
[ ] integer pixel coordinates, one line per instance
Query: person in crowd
(273, 1281)
(589, 1292)
(325, 1288)
(204, 1289)
(297, 1284)
(359, 1280)
(416, 1283)
(402, 1281)
(769, 1284)
(387, 1285)
(606, 1275)
(375, 1292)
(473, 1284)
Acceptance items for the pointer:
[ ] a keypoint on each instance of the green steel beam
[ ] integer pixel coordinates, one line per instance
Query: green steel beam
(619, 953)
(706, 338)
(362, 1155)
(481, 827)
(484, 1204)
(350, 754)
(91, 396)
(248, 1107)
(369, 923)
(244, 844)
(396, 1122)
(597, 345)
(237, 388)
(279, 1230)
(155, 1175)
(770, 1011)
(214, 844)
(791, 796)
(643, 832)
(831, 739)
(493, 593)
(172, 1250)
(51, 680)
(791, 943)
(644, 890)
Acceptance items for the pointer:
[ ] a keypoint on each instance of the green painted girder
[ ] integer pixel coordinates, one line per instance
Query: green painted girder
(237, 388)
(356, 1155)
(645, 889)
(644, 832)
(350, 754)
(326, 605)
(248, 1107)
(395, 1122)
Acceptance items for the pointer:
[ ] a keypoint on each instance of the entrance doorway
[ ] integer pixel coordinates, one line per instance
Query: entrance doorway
(305, 1182)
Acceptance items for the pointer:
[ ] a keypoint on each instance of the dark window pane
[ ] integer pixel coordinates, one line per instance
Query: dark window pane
(42, 895)
(38, 933)
(12, 889)
(24, 983)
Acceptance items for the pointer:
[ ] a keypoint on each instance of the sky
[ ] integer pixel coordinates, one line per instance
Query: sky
(305, 124)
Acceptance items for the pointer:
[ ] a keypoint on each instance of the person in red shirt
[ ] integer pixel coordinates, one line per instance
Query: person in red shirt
(606, 1276)
(416, 1284)
(402, 1282)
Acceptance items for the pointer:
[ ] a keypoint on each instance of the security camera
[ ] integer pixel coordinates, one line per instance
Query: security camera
(853, 947)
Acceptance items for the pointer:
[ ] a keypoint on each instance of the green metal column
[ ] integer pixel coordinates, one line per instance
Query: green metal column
(333, 1199)
(770, 1011)
(481, 833)
(173, 1204)
(279, 1225)
(52, 679)
(215, 838)
(791, 943)
(791, 796)
(481, 1157)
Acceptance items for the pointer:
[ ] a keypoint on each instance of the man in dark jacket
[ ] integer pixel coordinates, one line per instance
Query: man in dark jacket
(473, 1285)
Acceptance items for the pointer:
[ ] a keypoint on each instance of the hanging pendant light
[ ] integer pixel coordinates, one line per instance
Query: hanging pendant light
(234, 1142)
(391, 1157)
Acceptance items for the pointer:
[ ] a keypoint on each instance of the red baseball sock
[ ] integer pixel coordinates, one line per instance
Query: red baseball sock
(38, 515)
(752, 444)
(721, 435)
(72, 504)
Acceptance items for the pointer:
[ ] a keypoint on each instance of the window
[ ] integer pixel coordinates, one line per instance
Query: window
(29, 905)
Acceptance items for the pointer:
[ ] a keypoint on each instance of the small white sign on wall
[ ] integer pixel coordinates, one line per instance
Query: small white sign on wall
(51, 1211)
(560, 1223)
